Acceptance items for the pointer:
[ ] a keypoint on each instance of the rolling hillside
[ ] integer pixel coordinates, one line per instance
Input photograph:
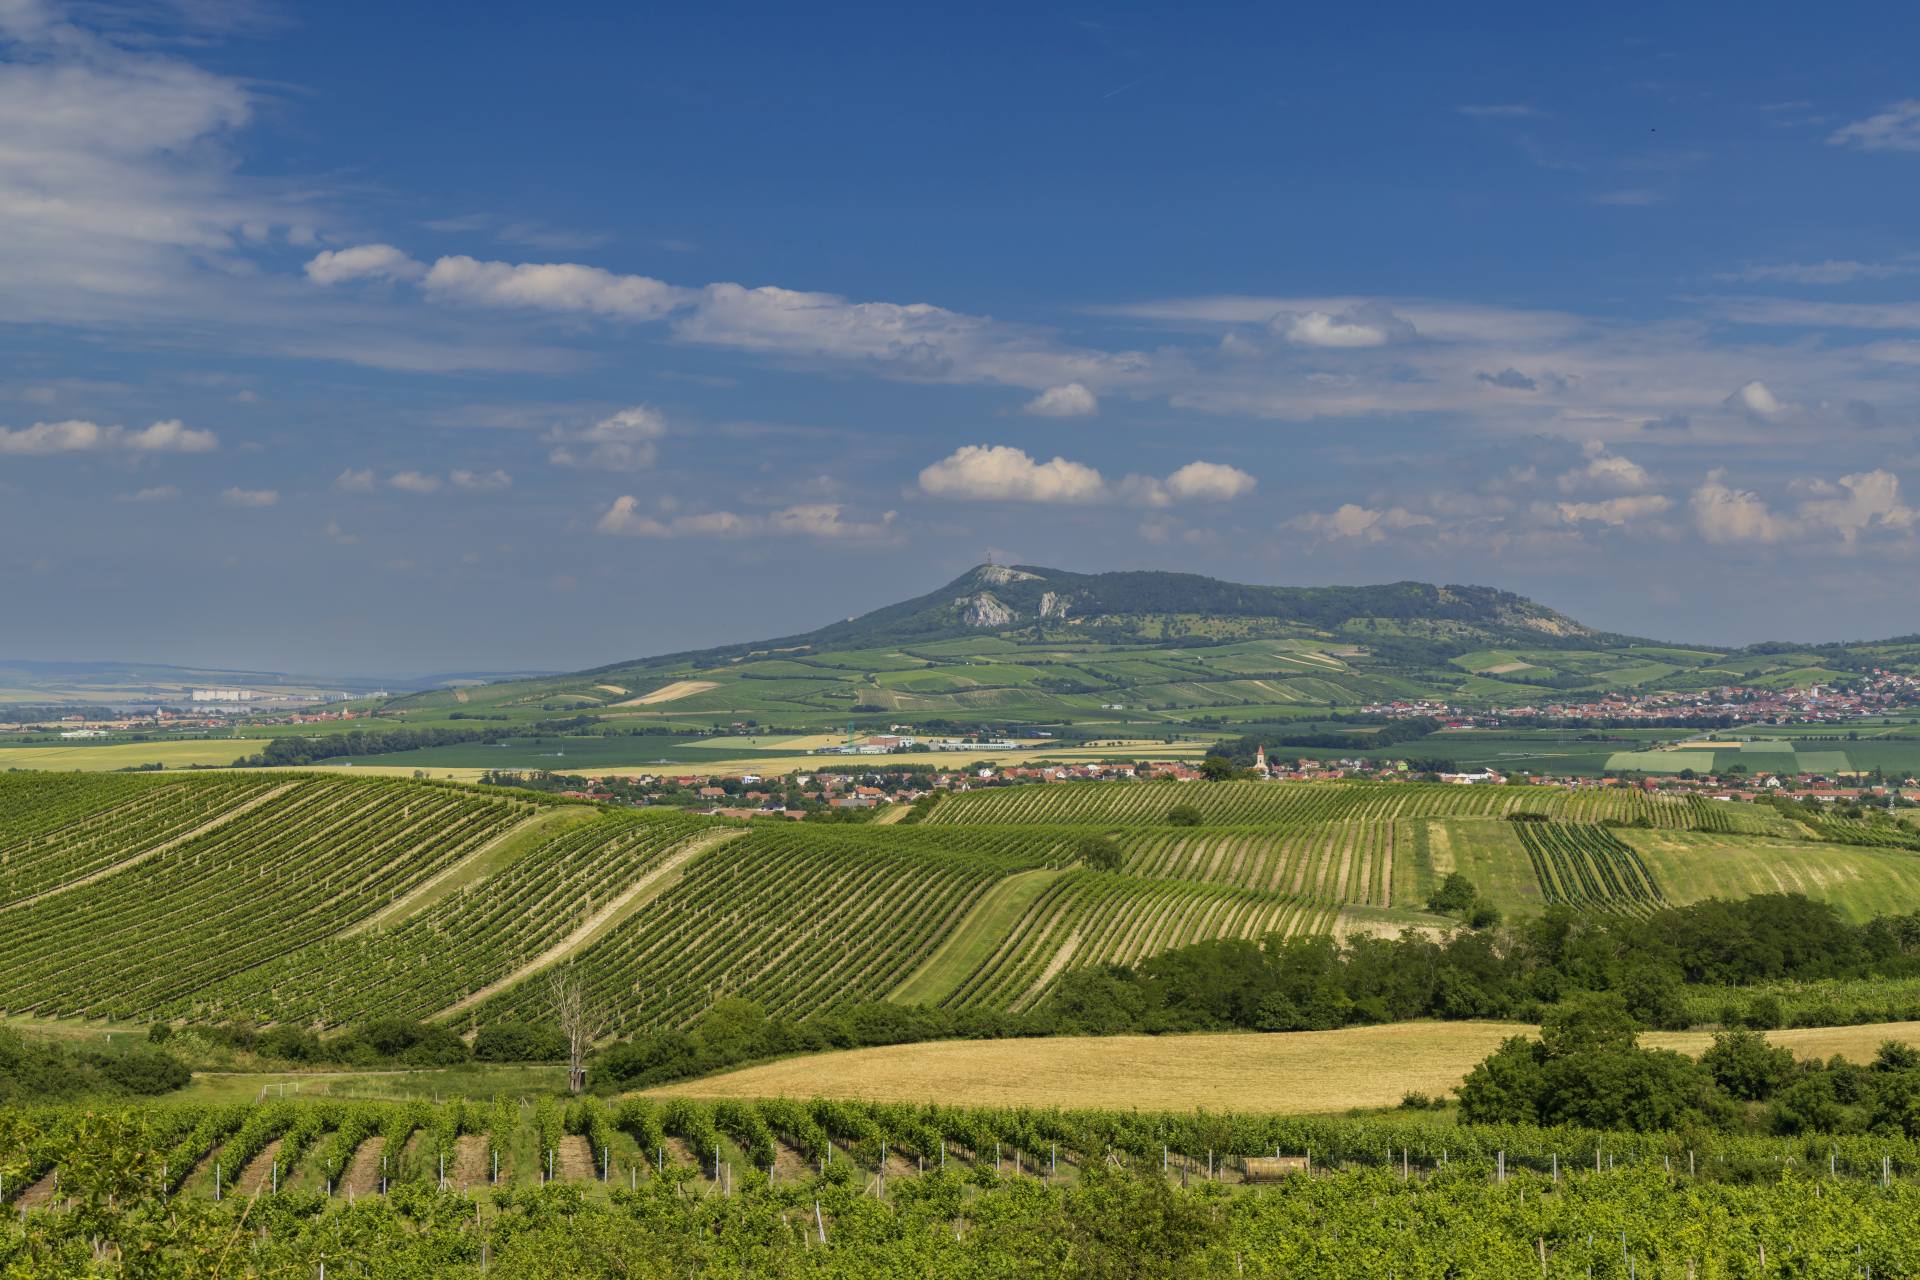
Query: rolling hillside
(318, 899)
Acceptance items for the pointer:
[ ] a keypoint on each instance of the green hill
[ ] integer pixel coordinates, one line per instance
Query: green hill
(1026, 643)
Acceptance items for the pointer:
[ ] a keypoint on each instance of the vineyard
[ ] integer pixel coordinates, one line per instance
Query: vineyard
(842, 1189)
(801, 919)
(1094, 917)
(1347, 862)
(1305, 803)
(1581, 865)
(58, 829)
(461, 943)
(313, 857)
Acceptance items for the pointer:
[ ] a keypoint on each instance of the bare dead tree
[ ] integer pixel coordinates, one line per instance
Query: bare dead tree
(579, 1021)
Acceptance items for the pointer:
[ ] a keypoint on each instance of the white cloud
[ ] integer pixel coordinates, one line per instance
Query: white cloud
(1364, 326)
(44, 439)
(171, 436)
(1363, 524)
(814, 520)
(354, 480)
(624, 441)
(1864, 501)
(363, 261)
(1001, 473)
(826, 520)
(238, 497)
(1070, 401)
(1614, 511)
(1210, 482)
(414, 482)
(495, 481)
(1756, 400)
(1895, 129)
(1726, 515)
(154, 493)
(552, 286)
(1605, 471)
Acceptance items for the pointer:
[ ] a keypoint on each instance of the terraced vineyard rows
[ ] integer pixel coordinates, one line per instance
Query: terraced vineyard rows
(1097, 917)
(76, 831)
(461, 943)
(801, 919)
(320, 854)
(1301, 803)
(1349, 862)
(1588, 866)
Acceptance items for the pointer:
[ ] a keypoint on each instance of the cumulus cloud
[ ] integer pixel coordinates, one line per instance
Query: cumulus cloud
(1858, 503)
(355, 480)
(1362, 524)
(823, 520)
(1209, 482)
(1370, 325)
(1070, 401)
(551, 286)
(1614, 511)
(361, 262)
(1724, 514)
(1002, 473)
(1604, 471)
(44, 439)
(1757, 401)
(238, 497)
(495, 481)
(1897, 128)
(414, 482)
(625, 441)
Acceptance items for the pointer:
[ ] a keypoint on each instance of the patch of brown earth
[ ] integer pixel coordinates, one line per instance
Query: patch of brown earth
(363, 1171)
(470, 1166)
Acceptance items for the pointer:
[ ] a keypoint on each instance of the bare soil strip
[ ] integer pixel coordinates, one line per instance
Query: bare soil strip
(258, 1175)
(469, 1168)
(363, 1171)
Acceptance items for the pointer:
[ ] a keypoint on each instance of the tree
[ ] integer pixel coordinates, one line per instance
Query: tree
(1099, 853)
(1746, 1066)
(1184, 815)
(1456, 893)
(579, 1021)
(1217, 769)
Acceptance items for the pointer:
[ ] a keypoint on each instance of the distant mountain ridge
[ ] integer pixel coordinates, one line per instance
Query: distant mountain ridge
(1136, 604)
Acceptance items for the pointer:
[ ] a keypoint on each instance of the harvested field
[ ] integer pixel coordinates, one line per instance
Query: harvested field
(1302, 1072)
(669, 693)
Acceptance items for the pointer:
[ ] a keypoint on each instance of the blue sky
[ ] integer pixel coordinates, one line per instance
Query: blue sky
(345, 339)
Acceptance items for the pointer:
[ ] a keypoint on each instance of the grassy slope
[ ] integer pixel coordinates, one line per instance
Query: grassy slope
(1861, 882)
(985, 925)
(1298, 1072)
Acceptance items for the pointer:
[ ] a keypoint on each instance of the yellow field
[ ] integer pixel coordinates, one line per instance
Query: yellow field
(1301, 1072)
(122, 755)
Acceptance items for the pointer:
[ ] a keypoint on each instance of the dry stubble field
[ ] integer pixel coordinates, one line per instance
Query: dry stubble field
(1301, 1072)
